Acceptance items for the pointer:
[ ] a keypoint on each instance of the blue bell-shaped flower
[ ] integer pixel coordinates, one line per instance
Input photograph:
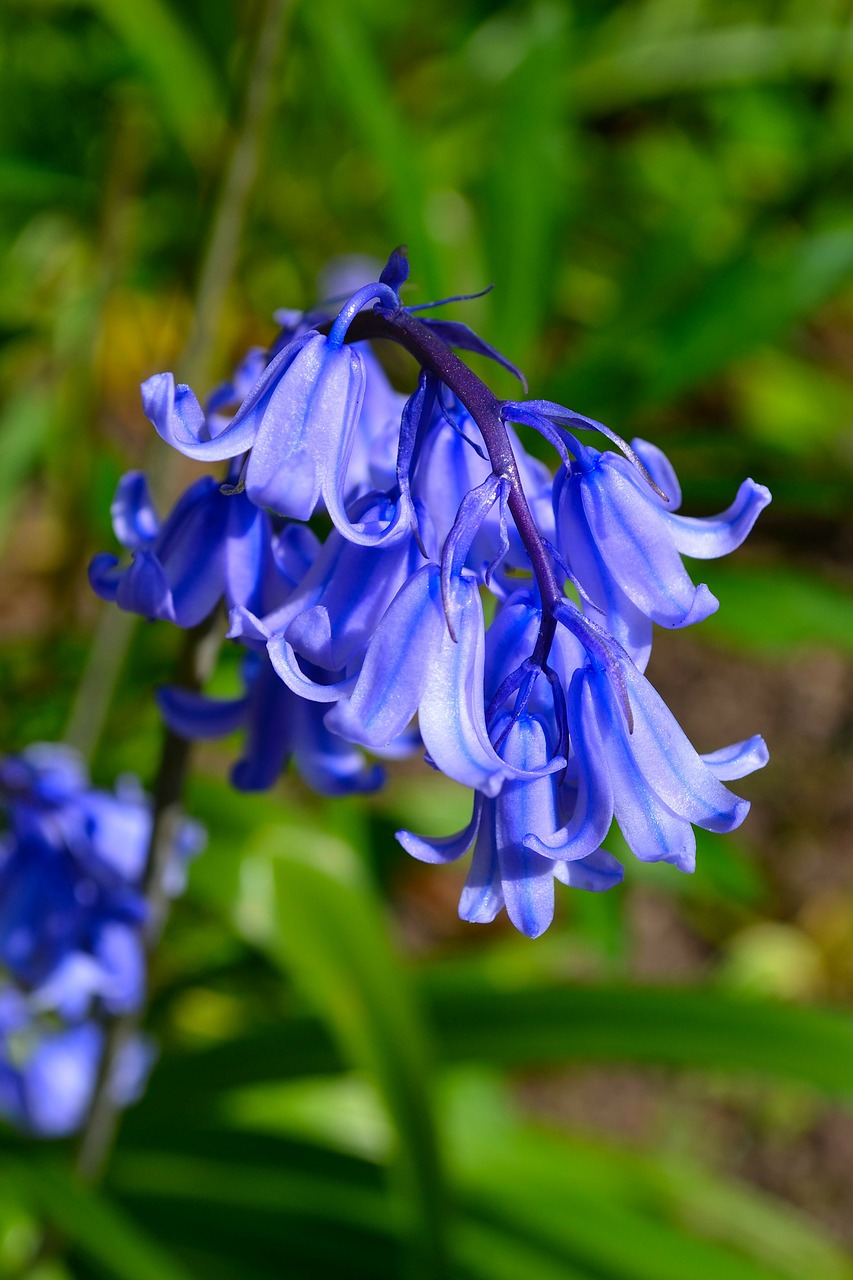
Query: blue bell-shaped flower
(505, 870)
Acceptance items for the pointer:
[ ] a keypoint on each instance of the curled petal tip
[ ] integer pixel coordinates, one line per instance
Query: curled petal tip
(704, 604)
(738, 760)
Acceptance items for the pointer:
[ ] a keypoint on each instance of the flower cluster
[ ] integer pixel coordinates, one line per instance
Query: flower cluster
(72, 919)
(508, 611)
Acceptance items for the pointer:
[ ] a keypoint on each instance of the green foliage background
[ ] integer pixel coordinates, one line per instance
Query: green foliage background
(350, 1082)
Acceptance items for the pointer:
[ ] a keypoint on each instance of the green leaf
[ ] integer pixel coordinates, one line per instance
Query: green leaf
(186, 86)
(296, 1047)
(472, 1021)
(319, 1197)
(490, 1251)
(700, 1029)
(771, 1230)
(632, 1220)
(250, 1241)
(638, 69)
(691, 321)
(336, 947)
(749, 302)
(96, 1226)
(353, 70)
(530, 180)
(605, 1237)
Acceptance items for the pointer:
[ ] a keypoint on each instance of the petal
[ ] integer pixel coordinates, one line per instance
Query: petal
(248, 566)
(452, 715)
(310, 634)
(628, 625)
(448, 468)
(287, 668)
(403, 747)
(179, 419)
(122, 960)
(305, 432)
(671, 765)
(396, 270)
(104, 576)
(368, 533)
(397, 666)
(473, 509)
(631, 532)
(60, 1077)
(270, 732)
(328, 764)
(144, 589)
(596, 873)
(246, 626)
(460, 336)
(652, 831)
(295, 549)
(522, 807)
(193, 715)
(593, 811)
(354, 586)
(738, 760)
(70, 987)
(191, 549)
(442, 848)
(661, 471)
(510, 640)
(527, 881)
(135, 522)
(482, 896)
(131, 1069)
(13, 1103)
(713, 536)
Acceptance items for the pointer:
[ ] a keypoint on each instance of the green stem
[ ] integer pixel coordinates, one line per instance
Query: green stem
(197, 660)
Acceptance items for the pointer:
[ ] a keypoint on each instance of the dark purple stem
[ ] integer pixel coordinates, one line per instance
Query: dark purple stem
(484, 407)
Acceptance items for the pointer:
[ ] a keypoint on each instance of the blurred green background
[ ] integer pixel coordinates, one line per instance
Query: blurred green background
(351, 1082)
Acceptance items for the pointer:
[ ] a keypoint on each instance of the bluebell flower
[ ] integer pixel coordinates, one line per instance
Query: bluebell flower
(46, 774)
(450, 465)
(330, 616)
(67, 934)
(631, 760)
(373, 461)
(298, 424)
(225, 399)
(215, 545)
(71, 866)
(414, 664)
(298, 421)
(437, 509)
(278, 725)
(505, 870)
(623, 541)
(48, 1073)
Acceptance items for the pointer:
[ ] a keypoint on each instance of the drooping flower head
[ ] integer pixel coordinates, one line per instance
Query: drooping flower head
(621, 538)
(505, 870)
(73, 915)
(215, 546)
(72, 861)
(434, 610)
